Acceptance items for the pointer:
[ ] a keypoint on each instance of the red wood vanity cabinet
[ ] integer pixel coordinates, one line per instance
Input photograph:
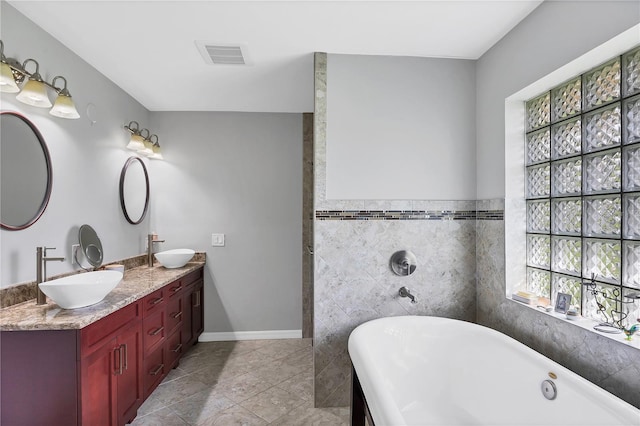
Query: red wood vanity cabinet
(111, 358)
(102, 373)
(194, 312)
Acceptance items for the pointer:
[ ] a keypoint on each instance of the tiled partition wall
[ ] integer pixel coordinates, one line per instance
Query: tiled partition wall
(307, 225)
(354, 241)
(611, 365)
(354, 283)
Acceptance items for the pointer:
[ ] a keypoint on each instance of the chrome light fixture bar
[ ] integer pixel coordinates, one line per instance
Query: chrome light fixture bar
(34, 92)
(147, 146)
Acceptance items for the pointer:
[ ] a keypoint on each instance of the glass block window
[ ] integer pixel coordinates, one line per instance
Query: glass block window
(582, 160)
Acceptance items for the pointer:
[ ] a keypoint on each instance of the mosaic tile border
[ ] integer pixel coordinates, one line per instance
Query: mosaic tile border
(409, 215)
(490, 215)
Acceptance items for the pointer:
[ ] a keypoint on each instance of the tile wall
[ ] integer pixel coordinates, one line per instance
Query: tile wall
(611, 365)
(354, 284)
(354, 241)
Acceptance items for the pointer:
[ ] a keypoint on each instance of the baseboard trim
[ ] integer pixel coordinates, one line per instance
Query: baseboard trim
(249, 335)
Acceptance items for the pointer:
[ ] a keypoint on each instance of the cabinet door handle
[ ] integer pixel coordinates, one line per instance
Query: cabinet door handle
(156, 331)
(157, 370)
(155, 301)
(176, 315)
(117, 361)
(177, 288)
(197, 303)
(124, 357)
(177, 348)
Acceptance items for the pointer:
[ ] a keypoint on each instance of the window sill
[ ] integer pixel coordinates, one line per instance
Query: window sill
(586, 324)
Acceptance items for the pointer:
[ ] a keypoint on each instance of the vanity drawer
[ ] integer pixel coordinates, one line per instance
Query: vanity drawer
(153, 302)
(174, 349)
(154, 331)
(174, 314)
(155, 368)
(92, 336)
(192, 277)
(174, 288)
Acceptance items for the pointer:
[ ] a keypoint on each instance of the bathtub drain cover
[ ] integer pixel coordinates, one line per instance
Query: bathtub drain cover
(549, 389)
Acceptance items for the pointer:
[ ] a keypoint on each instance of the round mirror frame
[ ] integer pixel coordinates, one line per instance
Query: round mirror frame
(47, 158)
(90, 244)
(146, 201)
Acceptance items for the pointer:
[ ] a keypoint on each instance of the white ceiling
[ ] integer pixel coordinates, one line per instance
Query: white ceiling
(148, 47)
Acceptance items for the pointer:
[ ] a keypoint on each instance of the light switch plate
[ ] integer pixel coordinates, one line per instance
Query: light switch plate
(217, 240)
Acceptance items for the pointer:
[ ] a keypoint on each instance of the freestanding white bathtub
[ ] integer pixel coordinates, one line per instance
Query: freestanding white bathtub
(437, 371)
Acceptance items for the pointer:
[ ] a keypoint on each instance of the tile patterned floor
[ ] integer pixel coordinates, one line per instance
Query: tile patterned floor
(254, 382)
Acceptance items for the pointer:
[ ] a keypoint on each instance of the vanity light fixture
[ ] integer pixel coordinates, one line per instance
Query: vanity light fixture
(63, 107)
(136, 142)
(34, 92)
(147, 151)
(146, 145)
(156, 154)
(7, 83)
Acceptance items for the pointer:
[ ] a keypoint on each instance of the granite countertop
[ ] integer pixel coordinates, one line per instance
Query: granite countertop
(136, 283)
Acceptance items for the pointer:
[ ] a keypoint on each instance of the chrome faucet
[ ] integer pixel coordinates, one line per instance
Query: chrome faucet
(150, 241)
(404, 292)
(41, 271)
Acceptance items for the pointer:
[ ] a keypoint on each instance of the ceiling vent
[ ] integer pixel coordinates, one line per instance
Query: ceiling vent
(223, 53)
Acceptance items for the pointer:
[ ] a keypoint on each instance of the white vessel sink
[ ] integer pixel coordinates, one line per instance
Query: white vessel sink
(80, 290)
(174, 258)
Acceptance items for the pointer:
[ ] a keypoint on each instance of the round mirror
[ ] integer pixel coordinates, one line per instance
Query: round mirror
(26, 176)
(90, 245)
(134, 190)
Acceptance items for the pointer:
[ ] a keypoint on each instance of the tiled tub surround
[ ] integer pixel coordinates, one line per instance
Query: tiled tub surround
(354, 283)
(136, 283)
(609, 364)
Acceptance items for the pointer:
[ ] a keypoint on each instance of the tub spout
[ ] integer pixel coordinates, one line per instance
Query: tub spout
(404, 292)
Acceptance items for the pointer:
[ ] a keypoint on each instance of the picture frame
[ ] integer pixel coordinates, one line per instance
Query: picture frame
(563, 303)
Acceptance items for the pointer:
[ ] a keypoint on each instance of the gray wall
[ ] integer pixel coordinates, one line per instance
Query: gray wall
(519, 59)
(239, 174)
(87, 158)
(402, 129)
(353, 281)
(232, 173)
(554, 34)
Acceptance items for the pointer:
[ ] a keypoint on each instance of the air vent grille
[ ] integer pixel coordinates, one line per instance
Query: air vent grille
(223, 54)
